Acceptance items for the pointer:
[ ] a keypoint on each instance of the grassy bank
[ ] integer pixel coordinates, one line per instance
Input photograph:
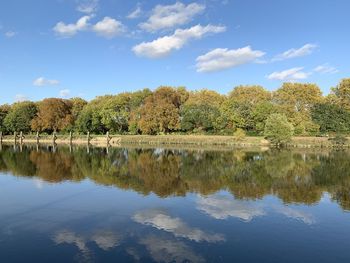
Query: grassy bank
(185, 140)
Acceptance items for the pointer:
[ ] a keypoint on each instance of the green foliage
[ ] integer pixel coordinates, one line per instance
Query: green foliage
(176, 110)
(199, 117)
(278, 130)
(201, 112)
(295, 100)
(331, 118)
(342, 93)
(20, 116)
(260, 112)
(4, 110)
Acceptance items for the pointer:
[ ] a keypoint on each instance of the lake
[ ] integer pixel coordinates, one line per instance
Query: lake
(61, 204)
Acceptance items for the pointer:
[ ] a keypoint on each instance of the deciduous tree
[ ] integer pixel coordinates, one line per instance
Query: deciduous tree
(20, 116)
(161, 111)
(278, 130)
(53, 115)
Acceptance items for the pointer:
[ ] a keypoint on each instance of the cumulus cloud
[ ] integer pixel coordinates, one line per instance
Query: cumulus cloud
(223, 207)
(163, 46)
(161, 220)
(296, 52)
(69, 30)
(87, 6)
(223, 58)
(167, 250)
(64, 93)
(108, 27)
(325, 69)
(136, 13)
(170, 16)
(289, 74)
(41, 81)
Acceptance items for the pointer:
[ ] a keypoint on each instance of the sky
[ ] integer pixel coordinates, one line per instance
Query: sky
(87, 48)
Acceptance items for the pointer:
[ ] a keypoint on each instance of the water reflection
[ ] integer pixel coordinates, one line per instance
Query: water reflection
(162, 221)
(222, 207)
(295, 177)
(167, 250)
(162, 205)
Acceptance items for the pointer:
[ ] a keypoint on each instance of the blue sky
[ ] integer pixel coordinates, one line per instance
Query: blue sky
(68, 48)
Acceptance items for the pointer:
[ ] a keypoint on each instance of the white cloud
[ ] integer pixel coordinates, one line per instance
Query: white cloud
(10, 34)
(293, 53)
(136, 13)
(108, 27)
(167, 250)
(170, 16)
(64, 93)
(223, 207)
(161, 220)
(69, 30)
(45, 82)
(20, 98)
(87, 6)
(105, 240)
(296, 214)
(325, 69)
(223, 58)
(163, 46)
(289, 74)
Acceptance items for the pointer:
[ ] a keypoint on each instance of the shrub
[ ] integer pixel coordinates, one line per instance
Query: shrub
(239, 134)
(278, 130)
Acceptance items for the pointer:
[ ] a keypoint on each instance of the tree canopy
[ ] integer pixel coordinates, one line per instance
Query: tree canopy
(178, 110)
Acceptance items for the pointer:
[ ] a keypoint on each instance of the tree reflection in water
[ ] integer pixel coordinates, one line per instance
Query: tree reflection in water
(294, 176)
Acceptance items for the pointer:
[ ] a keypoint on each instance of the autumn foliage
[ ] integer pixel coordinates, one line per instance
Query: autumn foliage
(177, 110)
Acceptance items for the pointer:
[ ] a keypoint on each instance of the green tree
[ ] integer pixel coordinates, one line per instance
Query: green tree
(296, 100)
(278, 130)
(78, 105)
(4, 110)
(342, 93)
(201, 111)
(199, 118)
(331, 118)
(20, 116)
(237, 110)
(260, 112)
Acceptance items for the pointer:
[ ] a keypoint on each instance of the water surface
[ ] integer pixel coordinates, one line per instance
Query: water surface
(164, 205)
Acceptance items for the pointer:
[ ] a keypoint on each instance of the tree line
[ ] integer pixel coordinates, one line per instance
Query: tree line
(299, 108)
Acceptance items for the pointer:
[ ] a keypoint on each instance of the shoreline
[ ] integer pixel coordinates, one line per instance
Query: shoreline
(176, 140)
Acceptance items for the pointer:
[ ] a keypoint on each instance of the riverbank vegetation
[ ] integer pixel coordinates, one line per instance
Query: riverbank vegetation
(250, 110)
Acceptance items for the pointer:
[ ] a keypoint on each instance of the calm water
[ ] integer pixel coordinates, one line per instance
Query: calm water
(158, 205)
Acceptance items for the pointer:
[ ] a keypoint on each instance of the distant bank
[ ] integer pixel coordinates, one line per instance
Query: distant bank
(186, 140)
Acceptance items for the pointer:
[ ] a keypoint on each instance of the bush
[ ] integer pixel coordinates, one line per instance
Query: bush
(239, 134)
(278, 130)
